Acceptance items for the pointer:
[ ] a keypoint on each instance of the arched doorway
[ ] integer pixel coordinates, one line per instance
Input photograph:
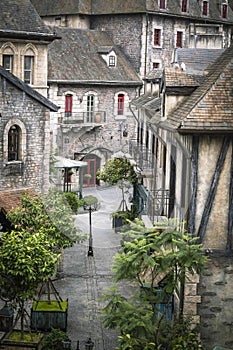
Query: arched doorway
(89, 172)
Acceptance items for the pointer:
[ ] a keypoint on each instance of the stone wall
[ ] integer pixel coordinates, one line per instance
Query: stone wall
(32, 169)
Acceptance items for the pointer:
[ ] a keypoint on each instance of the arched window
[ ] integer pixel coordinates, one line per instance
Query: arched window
(120, 107)
(14, 143)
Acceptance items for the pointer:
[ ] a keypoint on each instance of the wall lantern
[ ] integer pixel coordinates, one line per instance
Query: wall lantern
(89, 344)
(125, 132)
(6, 318)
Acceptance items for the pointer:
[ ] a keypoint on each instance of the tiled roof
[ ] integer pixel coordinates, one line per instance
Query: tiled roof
(28, 90)
(11, 199)
(20, 16)
(209, 108)
(176, 77)
(75, 58)
(196, 60)
(99, 7)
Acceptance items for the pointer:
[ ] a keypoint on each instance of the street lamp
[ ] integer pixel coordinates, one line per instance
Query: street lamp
(90, 204)
(89, 344)
(66, 344)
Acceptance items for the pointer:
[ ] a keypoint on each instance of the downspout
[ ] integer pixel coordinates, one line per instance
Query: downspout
(146, 46)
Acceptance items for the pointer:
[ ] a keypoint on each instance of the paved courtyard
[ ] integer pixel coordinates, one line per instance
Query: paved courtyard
(87, 278)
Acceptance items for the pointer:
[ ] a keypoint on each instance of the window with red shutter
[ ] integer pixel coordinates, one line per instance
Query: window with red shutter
(120, 107)
(205, 8)
(68, 105)
(184, 6)
(179, 39)
(162, 4)
(157, 37)
(155, 65)
(224, 11)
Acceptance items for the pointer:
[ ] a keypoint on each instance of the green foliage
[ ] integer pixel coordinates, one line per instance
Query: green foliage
(27, 259)
(73, 201)
(53, 341)
(149, 256)
(117, 169)
(90, 200)
(49, 213)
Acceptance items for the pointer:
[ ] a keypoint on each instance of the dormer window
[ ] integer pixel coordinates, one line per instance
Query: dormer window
(109, 55)
(224, 10)
(112, 61)
(205, 6)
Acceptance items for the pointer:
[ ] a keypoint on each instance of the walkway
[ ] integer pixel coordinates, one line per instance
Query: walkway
(87, 278)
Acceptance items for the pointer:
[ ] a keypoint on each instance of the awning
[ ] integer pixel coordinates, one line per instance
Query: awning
(62, 162)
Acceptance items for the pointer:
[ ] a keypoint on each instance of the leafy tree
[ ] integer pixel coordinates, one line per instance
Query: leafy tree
(151, 259)
(50, 213)
(120, 172)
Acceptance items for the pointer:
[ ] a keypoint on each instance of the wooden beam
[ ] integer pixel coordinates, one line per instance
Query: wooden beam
(213, 189)
(194, 178)
(230, 209)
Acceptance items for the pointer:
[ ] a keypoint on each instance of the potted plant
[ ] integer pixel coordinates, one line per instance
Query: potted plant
(120, 172)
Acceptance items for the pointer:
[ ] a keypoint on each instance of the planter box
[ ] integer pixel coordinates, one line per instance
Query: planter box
(45, 315)
(11, 341)
(117, 223)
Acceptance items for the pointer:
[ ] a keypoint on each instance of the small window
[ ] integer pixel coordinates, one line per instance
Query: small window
(157, 37)
(179, 39)
(68, 105)
(90, 108)
(162, 4)
(205, 8)
(120, 106)
(155, 65)
(224, 11)
(7, 62)
(184, 6)
(28, 69)
(13, 143)
(112, 61)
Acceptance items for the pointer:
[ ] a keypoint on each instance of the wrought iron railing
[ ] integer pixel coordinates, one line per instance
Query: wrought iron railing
(158, 204)
(97, 117)
(142, 155)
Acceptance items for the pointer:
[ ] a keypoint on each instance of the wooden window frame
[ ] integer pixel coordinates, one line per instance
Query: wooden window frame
(162, 4)
(14, 143)
(68, 105)
(8, 66)
(184, 6)
(28, 69)
(157, 37)
(179, 39)
(224, 10)
(112, 61)
(205, 8)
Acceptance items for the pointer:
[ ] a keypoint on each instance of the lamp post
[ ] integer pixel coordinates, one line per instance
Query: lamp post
(89, 344)
(66, 344)
(90, 204)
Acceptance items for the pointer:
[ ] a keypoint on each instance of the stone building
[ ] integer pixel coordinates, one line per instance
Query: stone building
(188, 138)
(24, 112)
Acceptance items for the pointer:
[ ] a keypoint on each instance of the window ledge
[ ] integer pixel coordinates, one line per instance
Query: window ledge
(13, 167)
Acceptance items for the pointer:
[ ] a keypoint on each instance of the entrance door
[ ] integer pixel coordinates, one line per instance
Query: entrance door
(89, 172)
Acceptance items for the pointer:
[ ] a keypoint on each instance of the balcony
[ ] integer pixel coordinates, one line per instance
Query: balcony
(83, 118)
(142, 156)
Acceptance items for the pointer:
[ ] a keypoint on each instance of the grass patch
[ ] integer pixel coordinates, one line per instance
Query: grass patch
(28, 337)
(50, 306)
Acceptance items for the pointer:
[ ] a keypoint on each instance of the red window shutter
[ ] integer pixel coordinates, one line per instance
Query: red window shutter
(162, 4)
(157, 35)
(205, 8)
(179, 36)
(120, 104)
(69, 103)
(184, 6)
(224, 11)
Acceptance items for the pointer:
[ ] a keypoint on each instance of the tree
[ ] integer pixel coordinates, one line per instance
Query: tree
(156, 262)
(118, 171)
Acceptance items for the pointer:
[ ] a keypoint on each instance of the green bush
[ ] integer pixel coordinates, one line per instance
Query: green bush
(73, 201)
(53, 341)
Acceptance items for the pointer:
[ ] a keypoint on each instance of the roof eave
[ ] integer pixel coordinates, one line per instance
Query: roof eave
(27, 35)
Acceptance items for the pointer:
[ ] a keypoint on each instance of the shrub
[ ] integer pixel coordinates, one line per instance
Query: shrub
(53, 341)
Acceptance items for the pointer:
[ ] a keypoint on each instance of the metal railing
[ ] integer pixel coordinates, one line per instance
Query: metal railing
(96, 117)
(142, 156)
(158, 204)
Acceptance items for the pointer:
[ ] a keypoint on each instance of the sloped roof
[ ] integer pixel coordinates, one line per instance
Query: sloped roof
(175, 76)
(18, 17)
(28, 90)
(62, 7)
(209, 108)
(196, 60)
(100, 7)
(11, 199)
(75, 58)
